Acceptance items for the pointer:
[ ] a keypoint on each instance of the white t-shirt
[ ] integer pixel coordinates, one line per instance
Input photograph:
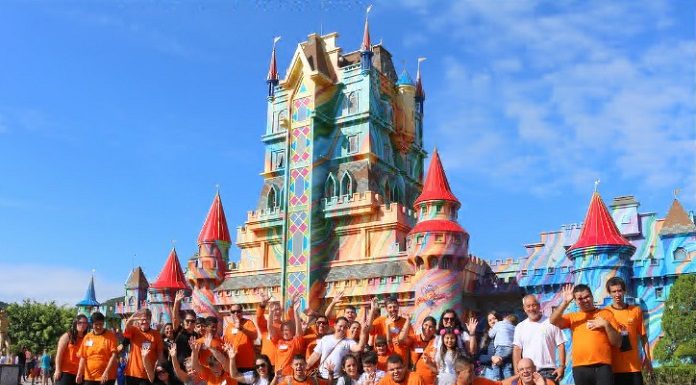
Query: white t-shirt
(332, 350)
(365, 377)
(249, 379)
(462, 342)
(538, 341)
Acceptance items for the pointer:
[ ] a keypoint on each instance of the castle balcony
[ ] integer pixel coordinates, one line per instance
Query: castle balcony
(265, 223)
(359, 203)
(265, 216)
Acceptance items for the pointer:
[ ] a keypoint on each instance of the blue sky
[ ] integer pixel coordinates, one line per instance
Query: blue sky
(118, 118)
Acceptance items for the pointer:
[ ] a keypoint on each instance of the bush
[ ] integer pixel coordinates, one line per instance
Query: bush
(675, 375)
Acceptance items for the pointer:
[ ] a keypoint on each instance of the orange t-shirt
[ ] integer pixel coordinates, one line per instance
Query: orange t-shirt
(242, 343)
(630, 320)
(418, 349)
(97, 350)
(138, 338)
(411, 379)
(210, 378)
(284, 351)
(267, 346)
(589, 347)
(485, 381)
(382, 361)
(380, 328)
(204, 354)
(70, 361)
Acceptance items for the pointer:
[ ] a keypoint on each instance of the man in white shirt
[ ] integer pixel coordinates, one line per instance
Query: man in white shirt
(331, 349)
(537, 339)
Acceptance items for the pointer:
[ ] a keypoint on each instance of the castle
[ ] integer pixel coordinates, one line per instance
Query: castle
(344, 209)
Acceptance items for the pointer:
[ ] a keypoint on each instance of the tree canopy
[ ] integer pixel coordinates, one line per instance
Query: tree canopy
(678, 344)
(37, 326)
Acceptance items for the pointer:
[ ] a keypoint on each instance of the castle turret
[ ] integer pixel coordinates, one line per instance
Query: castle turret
(161, 293)
(89, 303)
(438, 248)
(272, 78)
(206, 270)
(420, 94)
(136, 292)
(601, 252)
(366, 50)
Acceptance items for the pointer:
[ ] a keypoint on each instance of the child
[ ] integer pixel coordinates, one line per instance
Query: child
(502, 333)
(448, 354)
(383, 353)
(371, 375)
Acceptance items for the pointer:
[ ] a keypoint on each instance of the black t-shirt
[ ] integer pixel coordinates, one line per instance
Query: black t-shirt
(183, 349)
(21, 359)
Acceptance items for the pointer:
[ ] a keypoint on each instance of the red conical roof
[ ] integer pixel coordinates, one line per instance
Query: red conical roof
(599, 228)
(272, 69)
(366, 45)
(171, 276)
(215, 226)
(436, 186)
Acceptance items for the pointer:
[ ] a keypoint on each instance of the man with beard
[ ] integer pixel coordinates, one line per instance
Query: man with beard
(332, 348)
(391, 327)
(593, 330)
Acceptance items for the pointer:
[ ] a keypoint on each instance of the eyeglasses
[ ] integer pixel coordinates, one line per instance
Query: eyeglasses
(188, 321)
(448, 318)
(321, 322)
(160, 372)
(235, 311)
(82, 322)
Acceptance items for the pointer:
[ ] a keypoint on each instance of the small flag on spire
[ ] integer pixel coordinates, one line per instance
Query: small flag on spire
(275, 40)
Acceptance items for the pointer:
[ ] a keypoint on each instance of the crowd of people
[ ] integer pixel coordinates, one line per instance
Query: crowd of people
(302, 348)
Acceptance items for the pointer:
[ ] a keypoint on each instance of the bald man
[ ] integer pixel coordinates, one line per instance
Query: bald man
(527, 375)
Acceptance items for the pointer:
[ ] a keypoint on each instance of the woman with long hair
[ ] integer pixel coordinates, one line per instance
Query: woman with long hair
(67, 361)
(350, 370)
(466, 339)
(423, 351)
(261, 375)
(485, 357)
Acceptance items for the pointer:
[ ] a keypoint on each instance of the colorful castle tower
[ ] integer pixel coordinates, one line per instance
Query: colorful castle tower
(601, 252)
(89, 303)
(343, 166)
(136, 293)
(207, 268)
(438, 249)
(161, 292)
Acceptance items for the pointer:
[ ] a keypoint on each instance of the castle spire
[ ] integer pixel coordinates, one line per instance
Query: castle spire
(272, 78)
(420, 94)
(171, 276)
(436, 186)
(90, 298)
(215, 225)
(366, 46)
(599, 228)
(677, 220)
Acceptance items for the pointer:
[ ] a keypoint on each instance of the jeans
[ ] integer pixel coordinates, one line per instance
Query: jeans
(504, 370)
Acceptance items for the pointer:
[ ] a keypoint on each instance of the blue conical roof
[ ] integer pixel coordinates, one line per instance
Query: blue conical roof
(90, 298)
(404, 79)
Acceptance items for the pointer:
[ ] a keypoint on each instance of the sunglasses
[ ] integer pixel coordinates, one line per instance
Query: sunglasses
(235, 311)
(158, 372)
(448, 319)
(321, 322)
(259, 366)
(188, 321)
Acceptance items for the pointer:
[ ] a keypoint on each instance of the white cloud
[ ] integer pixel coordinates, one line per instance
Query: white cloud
(43, 283)
(548, 95)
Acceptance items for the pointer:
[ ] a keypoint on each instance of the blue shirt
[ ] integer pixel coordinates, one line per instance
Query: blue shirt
(502, 332)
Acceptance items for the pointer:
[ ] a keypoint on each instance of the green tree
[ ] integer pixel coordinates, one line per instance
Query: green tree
(38, 326)
(678, 344)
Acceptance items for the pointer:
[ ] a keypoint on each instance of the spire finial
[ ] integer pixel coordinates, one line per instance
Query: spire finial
(272, 78)
(217, 188)
(596, 184)
(676, 193)
(366, 44)
(173, 243)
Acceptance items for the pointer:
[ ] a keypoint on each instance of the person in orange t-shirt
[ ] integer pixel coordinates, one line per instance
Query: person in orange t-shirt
(241, 334)
(97, 355)
(274, 315)
(527, 375)
(288, 341)
(213, 372)
(299, 374)
(626, 361)
(395, 328)
(423, 351)
(382, 351)
(464, 369)
(140, 371)
(210, 340)
(398, 374)
(593, 331)
(311, 340)
(67, 360)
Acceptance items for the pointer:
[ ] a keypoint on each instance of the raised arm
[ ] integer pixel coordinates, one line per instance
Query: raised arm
(473, 341)
(182, 375)
(299, 330)
(365, 330)
(222, 359)
(176, 310)
(261, 321)
(148, 362)
(195, 352)
(403, 334)
(557, 315)
(332, 304)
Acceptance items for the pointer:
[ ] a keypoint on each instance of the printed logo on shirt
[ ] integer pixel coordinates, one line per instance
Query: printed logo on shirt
(89, 343)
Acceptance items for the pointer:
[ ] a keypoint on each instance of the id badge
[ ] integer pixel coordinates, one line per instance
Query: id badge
(89, 343)
(419, 350)
(146, 344)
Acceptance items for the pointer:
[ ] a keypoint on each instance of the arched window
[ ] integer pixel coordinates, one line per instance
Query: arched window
(387, 192)
(395, 196)
(131, 301)
(272, 198)
(330, 188)
(420, 265)
(346, 184)
(432, 262)
(350, 103)
(280, 122)
(446, 262)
